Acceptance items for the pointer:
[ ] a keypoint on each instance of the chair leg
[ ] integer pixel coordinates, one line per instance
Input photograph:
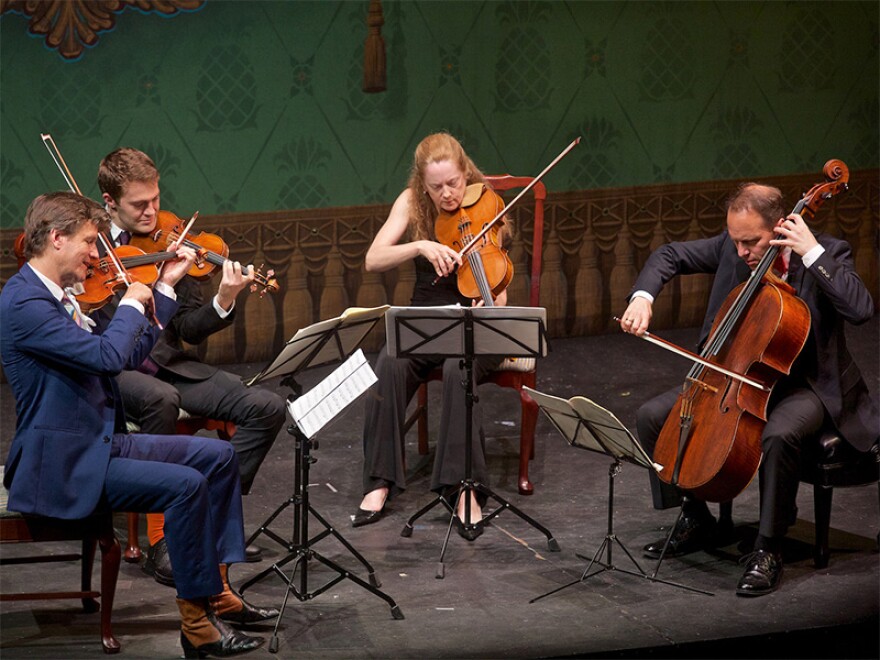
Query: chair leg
(133, 552)
(527, 441)
(822, 509)
(110, 557)
(88, 561)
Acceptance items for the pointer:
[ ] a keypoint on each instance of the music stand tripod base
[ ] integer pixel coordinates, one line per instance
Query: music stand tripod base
(464, 333)
(341, 336)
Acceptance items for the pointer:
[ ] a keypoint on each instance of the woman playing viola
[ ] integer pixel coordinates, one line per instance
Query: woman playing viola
(440, 173)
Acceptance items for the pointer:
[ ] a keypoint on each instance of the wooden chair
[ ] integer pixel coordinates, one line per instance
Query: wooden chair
(186, 425)
(831, 463)
(94, 531)
(512, 373)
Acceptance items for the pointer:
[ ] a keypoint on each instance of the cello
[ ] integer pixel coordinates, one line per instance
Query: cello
(710, 444)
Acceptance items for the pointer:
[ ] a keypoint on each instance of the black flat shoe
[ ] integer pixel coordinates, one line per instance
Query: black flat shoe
(762, 575)
(158, 564)
(364, 517)
(468, 532)
(690, 535)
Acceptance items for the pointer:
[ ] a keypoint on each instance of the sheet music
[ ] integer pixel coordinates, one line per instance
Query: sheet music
(331, 396)
(586, 424)
(309, 346)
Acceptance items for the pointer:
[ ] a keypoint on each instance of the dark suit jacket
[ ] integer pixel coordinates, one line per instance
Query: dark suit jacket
(67, 403)
(193, 323)
(833, 292)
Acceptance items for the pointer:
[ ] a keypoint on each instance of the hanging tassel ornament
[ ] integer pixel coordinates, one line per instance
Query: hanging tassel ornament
(374, 51)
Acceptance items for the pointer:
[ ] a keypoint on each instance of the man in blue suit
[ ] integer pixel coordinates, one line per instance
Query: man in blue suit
(71, 457)
(825, 387)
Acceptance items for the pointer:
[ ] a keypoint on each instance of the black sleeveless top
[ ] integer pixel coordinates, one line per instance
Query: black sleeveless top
(445, 292)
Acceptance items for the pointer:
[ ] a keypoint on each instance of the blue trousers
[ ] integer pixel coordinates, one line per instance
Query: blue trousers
(195, 483)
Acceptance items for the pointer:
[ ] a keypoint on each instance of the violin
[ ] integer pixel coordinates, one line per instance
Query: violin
(455, 230)
(487, 270)
(711, 441)
(211, 250)
(103, 280)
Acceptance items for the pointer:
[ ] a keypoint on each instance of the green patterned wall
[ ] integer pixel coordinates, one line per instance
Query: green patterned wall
(253, 106)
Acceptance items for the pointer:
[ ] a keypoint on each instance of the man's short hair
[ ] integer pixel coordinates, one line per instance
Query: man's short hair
(124, 166)
(66, 212)
(764, 200)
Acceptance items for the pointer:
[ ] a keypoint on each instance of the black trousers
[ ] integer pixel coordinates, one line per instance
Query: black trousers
(796, 417)
(152, 402)
(385, 416)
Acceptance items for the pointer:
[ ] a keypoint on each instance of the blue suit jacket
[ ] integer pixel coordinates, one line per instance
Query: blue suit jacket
(67, 403)
(834, 294)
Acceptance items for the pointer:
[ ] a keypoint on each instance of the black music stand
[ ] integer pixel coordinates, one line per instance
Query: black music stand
(322, 343)
(465, 332)
(586, 425)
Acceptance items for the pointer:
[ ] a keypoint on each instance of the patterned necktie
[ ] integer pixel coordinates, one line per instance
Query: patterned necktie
(71, 309)
(124, 238)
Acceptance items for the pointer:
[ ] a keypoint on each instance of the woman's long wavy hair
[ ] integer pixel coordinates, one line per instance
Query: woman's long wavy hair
(433, 149)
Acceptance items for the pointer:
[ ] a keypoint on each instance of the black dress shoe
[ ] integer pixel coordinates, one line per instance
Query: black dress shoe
(468, 532)
(231, 642)
(249, 614)
(364, 517)
(690, 535)
(253, 554)
(158, 564)
(762, 575)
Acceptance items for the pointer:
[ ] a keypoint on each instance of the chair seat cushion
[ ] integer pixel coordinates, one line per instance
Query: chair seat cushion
(833, 462)
(517, 364)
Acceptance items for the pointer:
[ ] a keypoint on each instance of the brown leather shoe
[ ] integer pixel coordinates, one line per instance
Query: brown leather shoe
(202, 634)
(232, 608)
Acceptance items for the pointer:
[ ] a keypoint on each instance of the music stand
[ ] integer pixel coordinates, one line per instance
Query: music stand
(465, 332)
(321, 343)
(586, 425)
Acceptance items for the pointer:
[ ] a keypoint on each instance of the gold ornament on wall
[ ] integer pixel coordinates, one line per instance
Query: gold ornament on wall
(70, 26)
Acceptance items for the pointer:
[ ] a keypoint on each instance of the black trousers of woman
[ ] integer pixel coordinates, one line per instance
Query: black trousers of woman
(398, 381)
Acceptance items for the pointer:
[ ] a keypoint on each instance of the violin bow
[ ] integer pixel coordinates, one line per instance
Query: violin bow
(179, 240)
(55, 152)
(467, 248)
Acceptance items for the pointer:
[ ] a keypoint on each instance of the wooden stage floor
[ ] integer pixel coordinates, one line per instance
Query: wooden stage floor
(481, 608)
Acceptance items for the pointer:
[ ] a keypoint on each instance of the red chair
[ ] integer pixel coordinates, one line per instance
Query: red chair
(186, 425)
(511, 373)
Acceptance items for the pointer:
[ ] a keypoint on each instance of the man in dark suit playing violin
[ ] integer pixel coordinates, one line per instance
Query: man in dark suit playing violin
(825, 386)
(173, 378)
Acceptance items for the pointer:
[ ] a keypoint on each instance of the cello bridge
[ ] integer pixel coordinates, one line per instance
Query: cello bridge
(702, 385)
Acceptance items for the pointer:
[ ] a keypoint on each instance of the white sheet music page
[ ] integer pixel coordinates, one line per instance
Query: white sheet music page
(314, 409)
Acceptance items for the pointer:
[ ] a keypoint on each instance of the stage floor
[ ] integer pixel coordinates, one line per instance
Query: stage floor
(482, 609)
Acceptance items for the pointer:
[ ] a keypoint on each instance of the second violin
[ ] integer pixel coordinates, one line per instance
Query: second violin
(211, 250)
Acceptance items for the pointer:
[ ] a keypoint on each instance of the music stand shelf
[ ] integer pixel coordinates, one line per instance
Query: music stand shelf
(587, 425)
(465, 332)
(323, 343)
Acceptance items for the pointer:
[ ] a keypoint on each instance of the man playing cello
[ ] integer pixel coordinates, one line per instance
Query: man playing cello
(825, 386)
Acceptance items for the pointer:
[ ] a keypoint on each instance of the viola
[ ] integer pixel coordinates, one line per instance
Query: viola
(487, 270)
(457, 231)
(103, 279)
(710, 444)
(211, 250)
